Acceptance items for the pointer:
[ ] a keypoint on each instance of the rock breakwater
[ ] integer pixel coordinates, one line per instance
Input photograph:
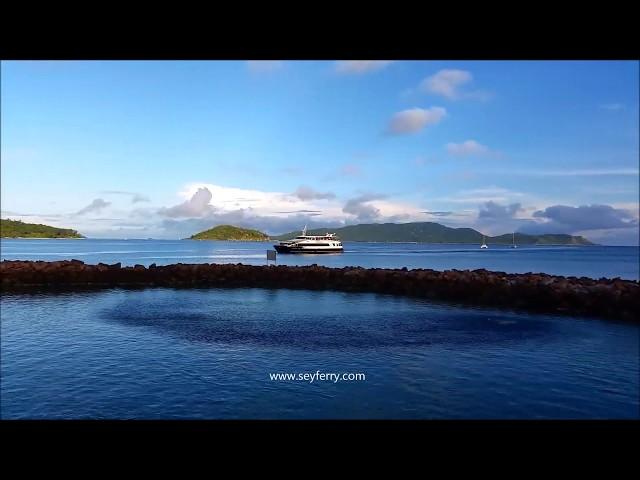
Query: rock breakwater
(536, 292)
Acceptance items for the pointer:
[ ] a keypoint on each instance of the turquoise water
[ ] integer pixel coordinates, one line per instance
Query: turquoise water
(595, 262)
(207, 354)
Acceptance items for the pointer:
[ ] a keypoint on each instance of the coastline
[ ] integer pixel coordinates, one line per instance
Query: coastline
(228, 240)
(534, 292)
(344, 241)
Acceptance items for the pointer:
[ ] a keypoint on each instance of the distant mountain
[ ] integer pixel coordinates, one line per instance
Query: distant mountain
(18, 229)
(230, 233)
(430, 232)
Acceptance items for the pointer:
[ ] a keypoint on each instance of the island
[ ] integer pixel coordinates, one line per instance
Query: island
(431, 232)
(19, 229)
(231, 233)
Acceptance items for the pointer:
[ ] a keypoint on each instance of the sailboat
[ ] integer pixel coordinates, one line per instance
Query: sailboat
(514, 241)
(484, 244)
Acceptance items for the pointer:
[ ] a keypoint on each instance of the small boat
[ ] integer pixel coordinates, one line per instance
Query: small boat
(304, 243)
(484, 244)
(514, 241)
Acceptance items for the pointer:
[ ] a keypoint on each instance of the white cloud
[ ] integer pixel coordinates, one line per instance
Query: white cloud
(376, 207)
(468, 147)
(274, 210)
(258, 202)
(307, 193)
(446, 83)
(415, 119)
(357, 67)
(196, 206)
(96, 206)
(264, 66)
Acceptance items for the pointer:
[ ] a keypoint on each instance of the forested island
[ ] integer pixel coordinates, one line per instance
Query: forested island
(431, 232)
(231, 233)
(19, 229)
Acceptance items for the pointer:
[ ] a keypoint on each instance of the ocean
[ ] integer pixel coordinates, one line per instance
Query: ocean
(591, 261)
(250, 353)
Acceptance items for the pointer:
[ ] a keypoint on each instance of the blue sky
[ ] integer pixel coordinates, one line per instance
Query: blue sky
(164, 149)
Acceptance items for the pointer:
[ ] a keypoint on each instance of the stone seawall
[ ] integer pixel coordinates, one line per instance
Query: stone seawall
(535, 292)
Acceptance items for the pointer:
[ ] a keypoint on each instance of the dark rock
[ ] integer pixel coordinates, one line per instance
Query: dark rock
(610, 298)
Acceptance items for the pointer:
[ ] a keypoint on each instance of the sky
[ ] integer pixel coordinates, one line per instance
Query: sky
(164, 149)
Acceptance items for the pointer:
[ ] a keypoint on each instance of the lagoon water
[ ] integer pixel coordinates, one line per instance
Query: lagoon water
(592, 261)
(208, 353)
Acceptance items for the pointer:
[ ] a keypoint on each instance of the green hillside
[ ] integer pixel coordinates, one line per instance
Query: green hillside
(18, 229)
(230, 233)
(545, 239)
(430, 232)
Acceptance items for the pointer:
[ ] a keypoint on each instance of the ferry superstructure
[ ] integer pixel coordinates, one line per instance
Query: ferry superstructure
(304, 243)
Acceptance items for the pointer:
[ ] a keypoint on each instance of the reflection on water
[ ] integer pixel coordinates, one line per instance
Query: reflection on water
(325, 327)
(207, 353)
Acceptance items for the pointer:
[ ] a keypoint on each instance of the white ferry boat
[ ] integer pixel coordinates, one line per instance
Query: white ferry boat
(304, 243)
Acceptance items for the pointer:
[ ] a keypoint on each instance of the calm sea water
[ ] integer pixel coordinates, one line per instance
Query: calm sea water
(593, 262)
(208, 353)
(163, 353)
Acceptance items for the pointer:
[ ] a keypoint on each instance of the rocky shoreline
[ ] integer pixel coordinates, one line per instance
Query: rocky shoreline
(535, 292)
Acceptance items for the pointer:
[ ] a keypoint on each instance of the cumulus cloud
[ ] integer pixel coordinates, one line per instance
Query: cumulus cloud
(264, 66)
(361, 207)
(94, 207)
(494, 211)
(204, 205)
(468, 147)
(415, 119)
(307, 193)
(271, 225)
(252, 204)
(587, 217)
(197, 206)
(358, 67)
(135, 197)
(447, 83)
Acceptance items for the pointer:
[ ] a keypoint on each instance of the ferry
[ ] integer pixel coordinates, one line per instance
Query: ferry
(304, 243)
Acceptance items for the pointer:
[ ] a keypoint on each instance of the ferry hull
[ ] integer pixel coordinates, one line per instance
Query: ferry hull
(294, 249)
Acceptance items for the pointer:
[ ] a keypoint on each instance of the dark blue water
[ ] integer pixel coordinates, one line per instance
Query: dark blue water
(162, 353)
(595, 262)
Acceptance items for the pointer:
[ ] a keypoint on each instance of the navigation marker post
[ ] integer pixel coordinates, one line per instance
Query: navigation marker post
(271, 255)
